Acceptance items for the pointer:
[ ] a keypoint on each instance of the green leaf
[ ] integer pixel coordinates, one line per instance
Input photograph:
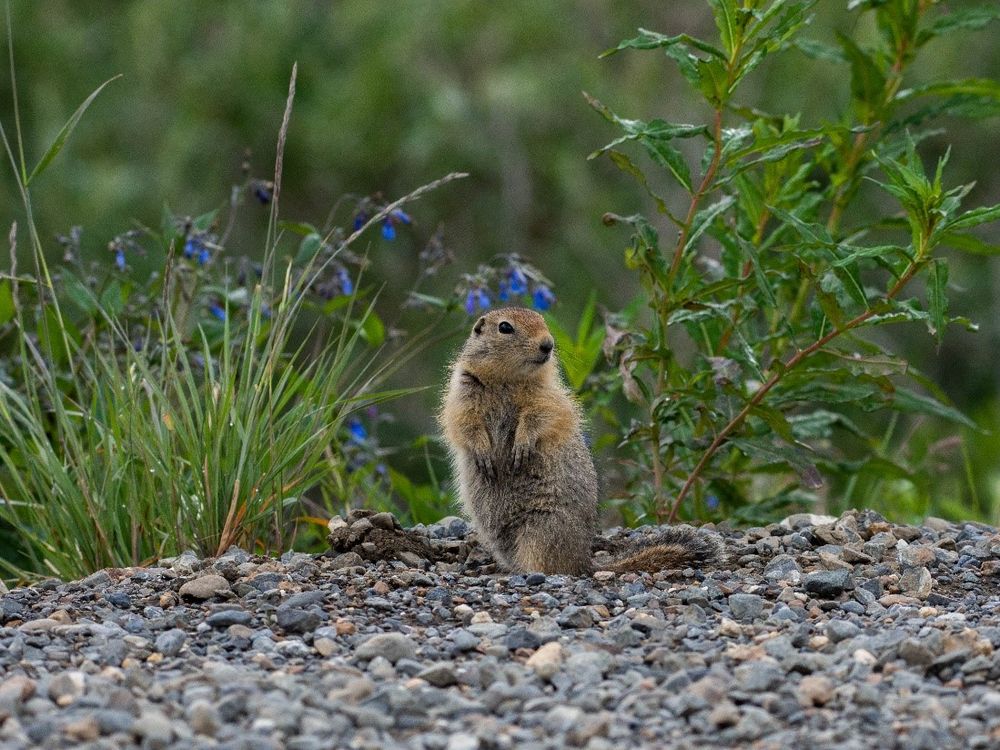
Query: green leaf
(308, 247)
(937, 298)
(974, 218)
(705, 217)
(725, 20)
(204, 222)
(968, 19)
(372, 329)
(54, 332)
(795, 457)
(968, 243)
(62, 135)
(653, 40)
(669, 157)
(909, 401)
(7, 307)
(758, 271)
(626, 165)
(867, 79)
(298, 227)
(819, 51)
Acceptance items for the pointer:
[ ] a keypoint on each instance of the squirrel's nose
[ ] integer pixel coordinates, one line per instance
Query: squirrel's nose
(546, 346)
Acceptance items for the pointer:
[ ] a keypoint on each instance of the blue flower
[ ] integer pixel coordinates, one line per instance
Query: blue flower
(346, 285)
(483, 299)
(360, 219)
(470, 302)
(357, 431)
(388, 229)
(263, 191)
(217, 311)
(265, 311)
(542, 298)
(504, 292)
(190, 247)
(120, 258)
(712, 501)
(400, 215)
(203, 255)
(518, 281)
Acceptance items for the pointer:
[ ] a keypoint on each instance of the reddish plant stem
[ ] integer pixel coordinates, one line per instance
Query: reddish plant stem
(706, 183)
(757, 397)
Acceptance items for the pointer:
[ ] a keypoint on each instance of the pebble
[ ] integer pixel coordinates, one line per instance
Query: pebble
(547, 660)
(390, 646)
(205, 587)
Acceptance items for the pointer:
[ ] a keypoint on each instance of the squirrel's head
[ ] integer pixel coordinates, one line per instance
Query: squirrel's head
(509, 344)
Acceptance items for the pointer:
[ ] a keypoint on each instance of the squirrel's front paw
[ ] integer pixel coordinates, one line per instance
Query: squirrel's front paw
(520, 455)
(484, 464)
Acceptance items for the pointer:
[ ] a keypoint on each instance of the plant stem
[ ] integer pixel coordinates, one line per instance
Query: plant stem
(703, 188)
(790, 364)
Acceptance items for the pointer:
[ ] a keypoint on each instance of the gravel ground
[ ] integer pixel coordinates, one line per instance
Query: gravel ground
(846, 633)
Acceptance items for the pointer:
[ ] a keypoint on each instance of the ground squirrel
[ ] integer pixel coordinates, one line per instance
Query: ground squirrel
(525, 475)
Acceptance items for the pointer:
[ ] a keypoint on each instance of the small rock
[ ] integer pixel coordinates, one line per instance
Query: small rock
(746, 607)
(205, 587)
(841, 630)
(439, 675)
(782, 568)
(227, 617)
(915, 653)
(547, 660)
(325, 646)
(84, 729)
(522, 638)
(203, 718)
(66, 687)
(346, 560)
(916, 556)
(170, 642)
(828, 583)
(916, 582)
(725, 714)
(391, 646)
(575, 617)
(296, 620)
(814, 690)
(154, 728)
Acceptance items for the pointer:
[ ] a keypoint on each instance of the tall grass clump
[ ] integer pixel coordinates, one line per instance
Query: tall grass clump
(195, 413)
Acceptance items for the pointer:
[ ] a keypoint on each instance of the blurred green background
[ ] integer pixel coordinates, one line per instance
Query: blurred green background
(393, 95)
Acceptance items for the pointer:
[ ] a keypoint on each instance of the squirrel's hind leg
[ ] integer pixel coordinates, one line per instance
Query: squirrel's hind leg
(548, 545)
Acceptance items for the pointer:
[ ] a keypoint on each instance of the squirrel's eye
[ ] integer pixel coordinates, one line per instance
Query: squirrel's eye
(505, 327)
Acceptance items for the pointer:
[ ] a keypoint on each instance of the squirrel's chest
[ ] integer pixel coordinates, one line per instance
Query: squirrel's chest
(500, 417)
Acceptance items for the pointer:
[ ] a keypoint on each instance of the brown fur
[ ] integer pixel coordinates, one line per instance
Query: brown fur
(670, 548)
(525, 476)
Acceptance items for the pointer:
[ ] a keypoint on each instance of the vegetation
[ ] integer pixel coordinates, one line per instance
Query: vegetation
(193, 386)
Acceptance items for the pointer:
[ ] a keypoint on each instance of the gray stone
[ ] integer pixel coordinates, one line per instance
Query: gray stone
(575, 617)
(746, 607)
(391, 646)
(226, 617)
(782, 568)
(205, 587)
(916, 582)
(841, 630)
(296, 620)
(439, 675)
(828, 584)
(170, 642)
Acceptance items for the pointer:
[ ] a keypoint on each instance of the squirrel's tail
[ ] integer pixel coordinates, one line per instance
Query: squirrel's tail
(670, 548)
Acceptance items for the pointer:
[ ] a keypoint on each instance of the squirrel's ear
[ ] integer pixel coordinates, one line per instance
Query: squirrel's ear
(479, 326)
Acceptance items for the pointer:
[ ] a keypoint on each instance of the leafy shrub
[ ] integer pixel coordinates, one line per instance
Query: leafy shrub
(757, 360)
